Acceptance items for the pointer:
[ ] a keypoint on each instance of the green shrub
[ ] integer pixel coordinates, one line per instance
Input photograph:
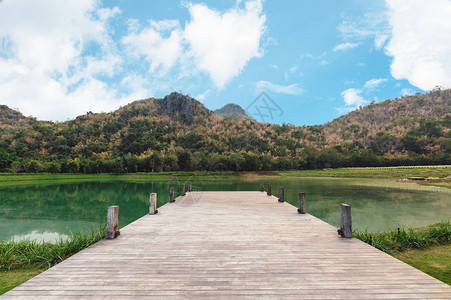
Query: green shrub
(410, 238)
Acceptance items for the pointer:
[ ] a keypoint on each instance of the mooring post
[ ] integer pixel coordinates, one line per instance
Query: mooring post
(345, 220)
(153, 204)
(189, 186)
(112, 227)
(183, 189)
(281, 194)
(262, 187)
(269, 190)
(171, 195)
(301, 208)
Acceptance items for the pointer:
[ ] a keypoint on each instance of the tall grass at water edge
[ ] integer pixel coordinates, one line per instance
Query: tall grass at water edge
(408, 238)
(29, 253)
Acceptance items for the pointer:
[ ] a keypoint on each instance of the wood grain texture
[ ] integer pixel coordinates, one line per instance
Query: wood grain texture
(153, 203)
(346, 220)
(112, 227)
(241, 245)
(301, 208)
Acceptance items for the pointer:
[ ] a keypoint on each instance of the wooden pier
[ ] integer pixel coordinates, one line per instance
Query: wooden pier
(220, 245)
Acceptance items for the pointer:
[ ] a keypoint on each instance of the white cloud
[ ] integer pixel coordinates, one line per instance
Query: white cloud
(294, 68)
(352, 97)
(292, 89)
(373, 24)
(59, 59)
(202, 96)
(222, 44)
(44, 70)
(161, 53)
(420, 42)
(345, 46)
(406, 92)
(373, 83)
(324, 63)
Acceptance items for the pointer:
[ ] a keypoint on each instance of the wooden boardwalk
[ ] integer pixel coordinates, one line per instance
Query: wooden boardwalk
(222, 245)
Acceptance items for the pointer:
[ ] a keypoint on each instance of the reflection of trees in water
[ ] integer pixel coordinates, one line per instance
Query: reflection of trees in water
(375, 208)
(372, 207)
(81, 201)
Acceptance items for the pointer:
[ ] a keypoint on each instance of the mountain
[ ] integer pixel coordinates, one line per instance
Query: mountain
(379, 125)
(233, 111)
(11, 119)
(178, 133)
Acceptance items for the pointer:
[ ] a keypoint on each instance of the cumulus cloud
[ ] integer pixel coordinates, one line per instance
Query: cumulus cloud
(161, 52)
(222, 44)
(59, 59)
(44, 70)
(292, 89)
(420, 43)
(345, 46)
(353, 97)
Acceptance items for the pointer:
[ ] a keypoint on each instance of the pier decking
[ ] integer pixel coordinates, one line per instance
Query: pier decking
(223, 245)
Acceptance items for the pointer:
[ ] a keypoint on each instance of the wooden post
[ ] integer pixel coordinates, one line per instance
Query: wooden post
(281, 194)
(301, 208)
(112, 227)
(153, 204)
(183, 189)
(189, 186)
(269, 190)
(262, 187)
(346, 221)
(171, 195)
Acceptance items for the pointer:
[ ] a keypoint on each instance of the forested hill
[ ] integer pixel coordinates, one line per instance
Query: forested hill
(11, 119)
(233, 111)
(179, 133)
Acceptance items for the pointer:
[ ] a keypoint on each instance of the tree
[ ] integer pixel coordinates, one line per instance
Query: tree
(5, 160)
(33, 166)
(16, 167)
(184, 160)
(53, 167)
(72, 166)
(235, 160)
(411, 143)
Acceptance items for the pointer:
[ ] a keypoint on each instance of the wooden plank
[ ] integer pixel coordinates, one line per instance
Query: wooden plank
(231, 245)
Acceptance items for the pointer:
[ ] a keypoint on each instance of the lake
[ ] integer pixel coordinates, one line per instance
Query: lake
(49, 211)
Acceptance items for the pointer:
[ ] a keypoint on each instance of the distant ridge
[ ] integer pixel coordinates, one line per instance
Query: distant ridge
(232, 110)
(178, 132)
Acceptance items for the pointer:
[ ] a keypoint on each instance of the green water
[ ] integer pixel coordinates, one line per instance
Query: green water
(49, 211)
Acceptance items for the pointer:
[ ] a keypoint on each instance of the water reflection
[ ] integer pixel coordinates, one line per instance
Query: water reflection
(48, 211)
(37, 236)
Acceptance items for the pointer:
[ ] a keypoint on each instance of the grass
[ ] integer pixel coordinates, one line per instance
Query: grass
(21, 179)
(383, 172)
(446, 185)
(435, 261)
(427, 249)
(12, 278)
(42, 255)
(22, 260)
(410, 238)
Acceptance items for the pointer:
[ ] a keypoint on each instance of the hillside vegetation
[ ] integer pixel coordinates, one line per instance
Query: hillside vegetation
(179, 133)
(233, 111)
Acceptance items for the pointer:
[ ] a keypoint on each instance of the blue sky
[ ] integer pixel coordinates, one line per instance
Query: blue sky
(315, 60)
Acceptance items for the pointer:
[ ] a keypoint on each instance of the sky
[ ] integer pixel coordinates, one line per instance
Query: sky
(289, 61)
